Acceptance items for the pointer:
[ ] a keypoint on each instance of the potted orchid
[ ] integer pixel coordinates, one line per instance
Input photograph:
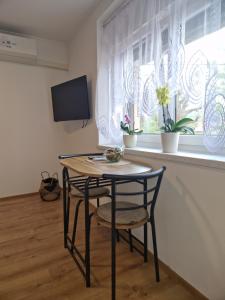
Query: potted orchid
(130, 132)
(171, 129)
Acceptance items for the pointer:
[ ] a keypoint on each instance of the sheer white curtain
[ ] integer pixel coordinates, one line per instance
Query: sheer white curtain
(146, 44)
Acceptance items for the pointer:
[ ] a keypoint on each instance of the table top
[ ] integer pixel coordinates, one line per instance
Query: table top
(87, 167)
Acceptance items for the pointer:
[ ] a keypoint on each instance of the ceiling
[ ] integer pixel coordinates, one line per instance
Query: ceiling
(51, 19)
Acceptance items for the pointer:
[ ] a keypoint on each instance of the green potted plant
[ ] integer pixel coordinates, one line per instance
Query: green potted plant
(171, 129)
(130, 132)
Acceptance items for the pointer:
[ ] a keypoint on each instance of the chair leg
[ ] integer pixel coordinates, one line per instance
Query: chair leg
(89, 231)
(113, 263)
(146, 242)
(130, 240)
(98, 204)
(156, 262)
(90, 219)
(66, 204)
(75, 222)
(67, 219)
(65, 215)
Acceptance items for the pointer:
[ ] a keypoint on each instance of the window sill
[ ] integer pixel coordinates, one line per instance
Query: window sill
(197, 159)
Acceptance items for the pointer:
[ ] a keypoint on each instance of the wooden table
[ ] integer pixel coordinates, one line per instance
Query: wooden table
(88, 170)
(88, 167)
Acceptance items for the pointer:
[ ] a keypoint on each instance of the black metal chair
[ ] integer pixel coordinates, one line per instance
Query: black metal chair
(94, 193)
(126, 215)
(76, 187)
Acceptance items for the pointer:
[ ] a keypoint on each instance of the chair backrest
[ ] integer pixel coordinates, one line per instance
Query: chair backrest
(67, 179)
(141, 179)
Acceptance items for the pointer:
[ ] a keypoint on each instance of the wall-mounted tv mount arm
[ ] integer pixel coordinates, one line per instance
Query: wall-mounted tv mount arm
(85, 122)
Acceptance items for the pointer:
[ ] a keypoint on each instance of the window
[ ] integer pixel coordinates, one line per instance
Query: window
(144, 46)
(199, 53)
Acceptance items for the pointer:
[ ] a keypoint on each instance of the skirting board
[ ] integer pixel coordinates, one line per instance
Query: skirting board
(167, 269)
(19, 196)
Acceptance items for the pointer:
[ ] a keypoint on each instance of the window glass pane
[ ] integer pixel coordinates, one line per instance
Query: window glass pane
(222, 13)
(136, 52)
(146, 111)
(165, 39)
(194, 27)
(143, 51)
(150, 125)
(142, 112)
(203, 61)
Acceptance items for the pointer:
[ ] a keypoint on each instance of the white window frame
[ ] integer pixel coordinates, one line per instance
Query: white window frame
(189, 143)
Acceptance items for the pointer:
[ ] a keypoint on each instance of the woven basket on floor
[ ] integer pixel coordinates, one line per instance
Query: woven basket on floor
(49, 188)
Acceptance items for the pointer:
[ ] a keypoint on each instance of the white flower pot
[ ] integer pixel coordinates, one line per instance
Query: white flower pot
(170, 141)
(130, 141)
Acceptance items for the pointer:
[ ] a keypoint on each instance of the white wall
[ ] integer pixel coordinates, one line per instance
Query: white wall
(190, 212)
(30, 139)
(83, 61)
(190, 224)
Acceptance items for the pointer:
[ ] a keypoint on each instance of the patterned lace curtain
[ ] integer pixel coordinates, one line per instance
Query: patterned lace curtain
(149, 43)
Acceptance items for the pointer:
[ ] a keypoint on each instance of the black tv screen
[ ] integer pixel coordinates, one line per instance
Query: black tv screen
(70, 100)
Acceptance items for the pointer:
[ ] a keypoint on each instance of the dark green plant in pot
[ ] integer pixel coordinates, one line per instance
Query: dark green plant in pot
(169, 124)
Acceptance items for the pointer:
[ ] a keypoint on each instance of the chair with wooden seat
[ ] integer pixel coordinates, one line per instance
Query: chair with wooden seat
(74, 187)
(128, 215)
(94, 193)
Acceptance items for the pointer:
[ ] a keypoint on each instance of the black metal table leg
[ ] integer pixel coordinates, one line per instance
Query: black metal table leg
(113, 242)
(87, 235)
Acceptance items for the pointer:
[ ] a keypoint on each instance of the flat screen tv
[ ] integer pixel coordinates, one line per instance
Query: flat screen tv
(70, 100)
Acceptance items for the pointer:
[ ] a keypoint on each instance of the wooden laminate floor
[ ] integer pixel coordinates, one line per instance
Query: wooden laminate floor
(35, 266)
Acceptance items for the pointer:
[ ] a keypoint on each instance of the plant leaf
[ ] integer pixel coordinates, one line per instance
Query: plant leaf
(124, 127)
(163, 128)
(169, 124)
(136, 131)
(189, 130)
(184, 129)
(183, 121)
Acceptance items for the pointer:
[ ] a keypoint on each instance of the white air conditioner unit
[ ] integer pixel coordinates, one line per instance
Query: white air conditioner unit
(17, 48)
